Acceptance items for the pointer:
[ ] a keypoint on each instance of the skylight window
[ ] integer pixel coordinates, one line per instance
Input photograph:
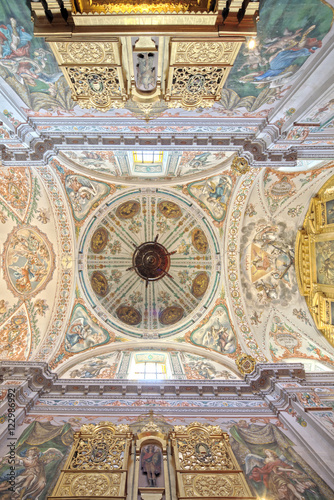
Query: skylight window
(147, 156)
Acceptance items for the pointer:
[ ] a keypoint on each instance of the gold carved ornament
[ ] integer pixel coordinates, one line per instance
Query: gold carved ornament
(97, 87)
(314, 259)
(133, 6)
(240, 165)
(200, 450)
(97, 464)
(85, 52)
(245, 363)
(99, 63)
(192, 88)
(204, 461)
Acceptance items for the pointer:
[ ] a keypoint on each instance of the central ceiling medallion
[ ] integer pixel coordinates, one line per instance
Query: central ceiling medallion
(150, 263)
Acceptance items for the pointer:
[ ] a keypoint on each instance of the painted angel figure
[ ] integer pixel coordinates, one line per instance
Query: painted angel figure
(277, 475)
(220, 191)
(30, 482)
(81, 189)
(151, 463)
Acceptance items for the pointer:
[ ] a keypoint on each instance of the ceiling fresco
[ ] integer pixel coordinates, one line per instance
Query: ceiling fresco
(258, 80)
(77, 204)
(201, 300)
(180, 364)
(31, 255)
(276, 312)
(116, 264)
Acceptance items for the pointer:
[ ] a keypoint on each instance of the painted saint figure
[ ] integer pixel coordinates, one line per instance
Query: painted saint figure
(150, 461)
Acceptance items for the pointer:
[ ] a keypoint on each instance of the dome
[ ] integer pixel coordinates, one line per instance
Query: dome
(149, 263)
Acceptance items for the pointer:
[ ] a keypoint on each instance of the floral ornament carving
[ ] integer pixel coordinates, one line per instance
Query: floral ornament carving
(214, 485)
(206, 485)
(245, 363)
(97, 87)
(204, 52)
(90, 485)
(194, 87)
(86, 52)
(151, 427)
(240, 165)
(103, 451)
(198, 450)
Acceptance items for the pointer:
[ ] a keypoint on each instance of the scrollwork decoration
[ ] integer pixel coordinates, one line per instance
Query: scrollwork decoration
(96, 87)
(103, 450)
(201, 448)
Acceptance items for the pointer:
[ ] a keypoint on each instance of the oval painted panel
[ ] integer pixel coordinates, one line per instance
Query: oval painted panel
(99, 283)
(29, 261)
(200, 284)
(128, 209)
(171, 315)
(169, 209)
(99, 240)
(199, 240)
(129, 315)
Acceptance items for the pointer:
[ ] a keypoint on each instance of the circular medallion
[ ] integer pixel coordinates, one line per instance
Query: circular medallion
(28, 261)
(203, 452)
(99, 452)
(128, 315)
(90, 485)
(196, 84)
(170, 209)
(151, 261)
(128, 209)
(99, 240)
(200, 284)
(99, 283)
(149, 275)
(171, 315)
(207, 485)
(199, 240)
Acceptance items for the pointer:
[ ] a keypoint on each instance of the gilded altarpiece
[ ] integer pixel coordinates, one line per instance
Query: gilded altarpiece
(110, 462)
(205, 464)
(114, 52)
(315, 259)
(97, 466)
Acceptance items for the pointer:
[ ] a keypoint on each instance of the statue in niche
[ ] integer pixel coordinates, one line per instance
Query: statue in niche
(150, 462)
(146, 71)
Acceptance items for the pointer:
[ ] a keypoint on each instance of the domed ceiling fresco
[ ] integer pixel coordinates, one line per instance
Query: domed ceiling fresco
(120, 236)
(150, 263)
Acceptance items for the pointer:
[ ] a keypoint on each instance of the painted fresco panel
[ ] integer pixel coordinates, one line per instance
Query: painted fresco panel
(289, 33)
(27, 64)
(330, 212)
(40, 452)
(216, 332)
(83, 332)
(200, 368)
(101, 367)
(272, 466)
(325, 262)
